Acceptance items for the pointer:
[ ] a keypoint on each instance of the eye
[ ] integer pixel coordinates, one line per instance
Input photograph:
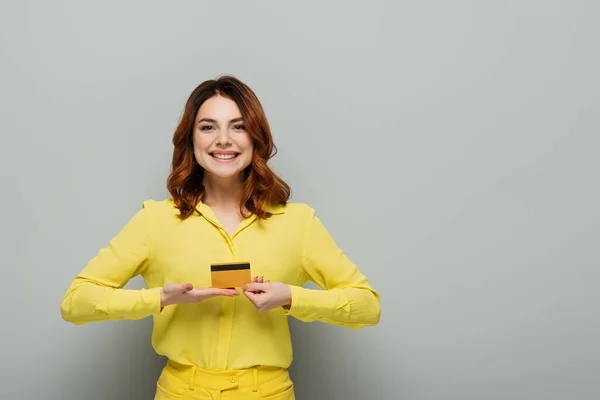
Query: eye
(239, 127)
(206, 128)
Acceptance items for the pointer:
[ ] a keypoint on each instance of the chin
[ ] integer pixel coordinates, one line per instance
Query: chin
(224, 170)
(224, 173)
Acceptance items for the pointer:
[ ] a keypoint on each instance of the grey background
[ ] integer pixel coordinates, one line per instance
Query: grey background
(451, 148)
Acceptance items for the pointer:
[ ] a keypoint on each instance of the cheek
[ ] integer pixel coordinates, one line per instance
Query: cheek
(248, 153)
(201, 144)
(247, 145)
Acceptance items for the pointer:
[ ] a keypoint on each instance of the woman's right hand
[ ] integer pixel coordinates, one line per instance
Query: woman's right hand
(174, 293)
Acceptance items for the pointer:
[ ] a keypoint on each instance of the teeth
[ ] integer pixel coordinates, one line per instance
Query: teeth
(224, 156)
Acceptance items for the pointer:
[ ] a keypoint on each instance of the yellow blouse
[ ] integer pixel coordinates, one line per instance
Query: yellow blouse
(291, 247)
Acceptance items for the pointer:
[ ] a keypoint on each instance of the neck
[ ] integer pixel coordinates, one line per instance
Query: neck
(223, 193)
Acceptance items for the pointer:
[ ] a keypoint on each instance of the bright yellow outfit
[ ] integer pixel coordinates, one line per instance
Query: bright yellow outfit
(222, 333)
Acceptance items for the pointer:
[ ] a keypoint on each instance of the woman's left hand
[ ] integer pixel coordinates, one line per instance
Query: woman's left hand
(266, 295)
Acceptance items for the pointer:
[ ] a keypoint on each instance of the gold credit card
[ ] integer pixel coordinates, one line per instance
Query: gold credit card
(230, 275)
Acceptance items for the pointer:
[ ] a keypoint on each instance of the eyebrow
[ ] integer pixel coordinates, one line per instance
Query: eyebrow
(214, 121)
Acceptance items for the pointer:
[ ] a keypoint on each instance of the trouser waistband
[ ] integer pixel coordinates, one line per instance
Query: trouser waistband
(224, 379)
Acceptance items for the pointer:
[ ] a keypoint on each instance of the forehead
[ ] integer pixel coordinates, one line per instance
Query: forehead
(219, 108)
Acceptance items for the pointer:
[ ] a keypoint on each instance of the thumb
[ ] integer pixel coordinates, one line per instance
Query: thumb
(186, 287)
(254, 287)
(253, 297)
(177, 288)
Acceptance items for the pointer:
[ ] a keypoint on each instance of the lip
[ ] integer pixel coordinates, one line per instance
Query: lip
(225, 153)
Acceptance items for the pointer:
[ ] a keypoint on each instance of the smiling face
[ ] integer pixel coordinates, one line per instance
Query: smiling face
(222, 146)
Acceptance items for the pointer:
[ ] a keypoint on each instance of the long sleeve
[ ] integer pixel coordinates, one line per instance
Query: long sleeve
(97, 293)
(347, 299)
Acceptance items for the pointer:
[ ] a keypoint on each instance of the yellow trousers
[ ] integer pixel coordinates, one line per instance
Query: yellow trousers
(190, 383)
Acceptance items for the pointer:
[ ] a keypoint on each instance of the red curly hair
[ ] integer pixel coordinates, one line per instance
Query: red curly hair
(262, 187)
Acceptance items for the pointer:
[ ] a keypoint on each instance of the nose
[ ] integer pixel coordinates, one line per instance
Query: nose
(223, 138)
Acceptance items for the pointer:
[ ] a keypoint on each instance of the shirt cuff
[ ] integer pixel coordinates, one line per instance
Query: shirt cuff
(135, 304)
(311, 305)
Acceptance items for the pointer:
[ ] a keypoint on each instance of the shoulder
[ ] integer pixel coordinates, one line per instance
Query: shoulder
(153, 204)
(160, 208)
(297, 211)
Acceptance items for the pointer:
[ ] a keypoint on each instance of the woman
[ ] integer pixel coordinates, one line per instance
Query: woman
(227, 206)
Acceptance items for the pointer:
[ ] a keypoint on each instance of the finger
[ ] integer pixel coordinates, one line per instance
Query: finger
(253, 297)
(207, 293)
(223, 292)
(258, 300)
(254, 287)
(186, 287)
(227, 292)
